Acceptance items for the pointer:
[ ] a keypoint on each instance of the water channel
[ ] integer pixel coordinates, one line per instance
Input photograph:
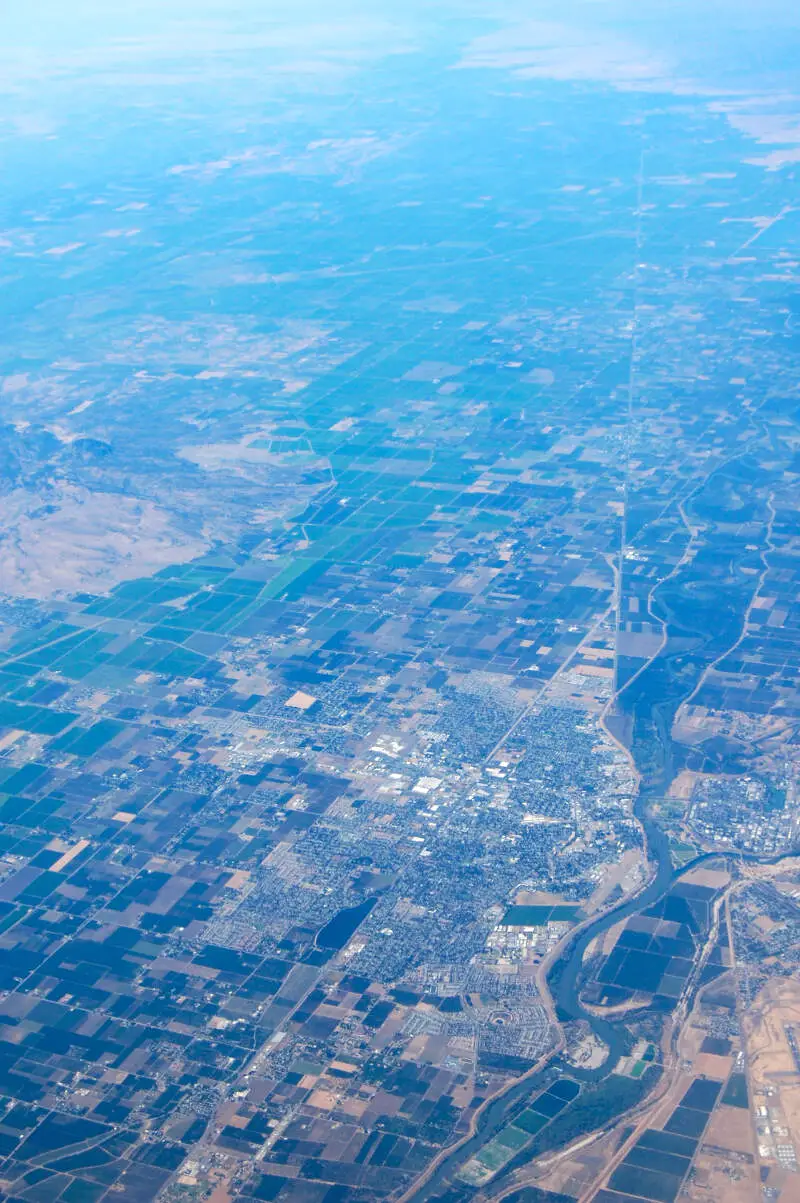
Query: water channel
(565, 975)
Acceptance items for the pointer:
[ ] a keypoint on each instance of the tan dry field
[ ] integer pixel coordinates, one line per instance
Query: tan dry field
(722, 1180)
(628, 874)
(731, 1128)
(82, 540)
(711, 1066)
(683, 784)
(715, 878)
(536, 898)
(774, 1077)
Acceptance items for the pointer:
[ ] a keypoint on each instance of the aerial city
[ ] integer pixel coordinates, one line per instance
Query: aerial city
(399, 608)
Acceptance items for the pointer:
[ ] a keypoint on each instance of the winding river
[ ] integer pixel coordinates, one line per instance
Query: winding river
(700, 625)
(565, 975)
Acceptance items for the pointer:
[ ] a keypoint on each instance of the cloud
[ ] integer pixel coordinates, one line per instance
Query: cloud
(597, 43)
(780, 129)
(146, 35)
(342, 157)
(571, 53)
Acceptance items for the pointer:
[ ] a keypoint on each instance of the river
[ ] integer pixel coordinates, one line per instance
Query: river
(696, 636)
(565, 974)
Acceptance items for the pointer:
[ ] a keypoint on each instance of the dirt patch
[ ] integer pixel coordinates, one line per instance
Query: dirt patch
(73, 539)
(770, 1026)
(731, 1128)
(714, 878)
